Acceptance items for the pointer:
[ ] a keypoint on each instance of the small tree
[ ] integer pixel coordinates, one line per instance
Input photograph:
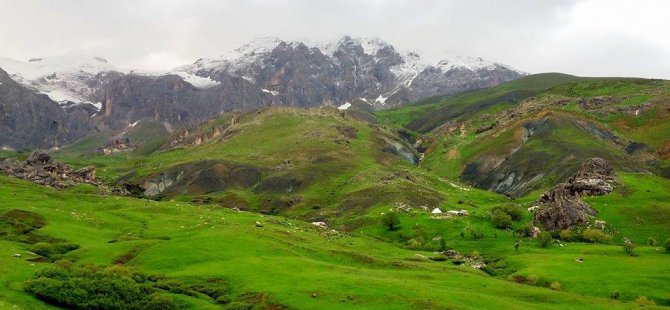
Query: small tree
(544, 239)
(501, 219)
(615, 295)
(651, 241)
(443, 244)
(516, 246)
(667, 245)
(629, 247)
(391, 220)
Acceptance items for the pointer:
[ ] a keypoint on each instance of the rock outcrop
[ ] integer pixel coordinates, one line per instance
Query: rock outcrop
(43, 169)
(562, 207)
(29, 119)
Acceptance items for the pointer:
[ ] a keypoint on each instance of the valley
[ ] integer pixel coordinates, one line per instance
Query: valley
(425, 205)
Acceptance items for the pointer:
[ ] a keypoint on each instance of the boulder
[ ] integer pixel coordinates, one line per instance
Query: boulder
(43, 169)
(562, 207)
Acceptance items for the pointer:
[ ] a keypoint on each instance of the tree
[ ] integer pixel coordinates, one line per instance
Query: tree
(391, 220)
(651, 241)
(443, 244)
(516, 246)
(501, 219)
(544, 239)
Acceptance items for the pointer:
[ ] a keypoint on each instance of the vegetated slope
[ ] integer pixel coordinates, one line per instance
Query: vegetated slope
(499, 140)
(186, 246)
(316, 163)
(342, 168)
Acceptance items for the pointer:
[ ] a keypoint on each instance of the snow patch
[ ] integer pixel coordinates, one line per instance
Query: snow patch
(197, 81)
(381, 99)
(271, 92)
(344, 106)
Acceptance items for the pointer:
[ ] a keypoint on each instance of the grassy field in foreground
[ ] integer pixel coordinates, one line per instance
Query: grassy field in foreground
(286, 259)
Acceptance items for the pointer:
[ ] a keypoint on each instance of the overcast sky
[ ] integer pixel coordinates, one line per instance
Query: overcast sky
(590, 37)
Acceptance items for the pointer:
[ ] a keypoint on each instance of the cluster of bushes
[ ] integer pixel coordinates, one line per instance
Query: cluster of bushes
(52, 251)
(504, 216)
(115, 287)
(588, 235)
(473, 232)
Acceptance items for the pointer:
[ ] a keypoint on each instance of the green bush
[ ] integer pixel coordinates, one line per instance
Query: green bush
(651, 241)
(544, 239)
(565, 235)
(391, 220)
(525, 230)
(615, 295)
(667, 245)
(115, 287)
(81, 288)
(239, 305)
(515, 212)
(52, 250)
(501, 219)
(596, 236)
(474, 232)
(629, 247)
(443, 244)
(213, 288)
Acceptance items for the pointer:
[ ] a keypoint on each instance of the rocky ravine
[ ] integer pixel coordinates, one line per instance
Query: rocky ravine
(562, 207)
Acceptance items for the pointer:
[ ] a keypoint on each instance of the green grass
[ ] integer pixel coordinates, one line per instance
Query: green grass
(288, 259)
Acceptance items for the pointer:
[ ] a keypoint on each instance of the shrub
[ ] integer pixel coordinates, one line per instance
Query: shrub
(644, 301)
(525, 230)
(556, 286)
(512, 210)
(474, 231)
(415, 243)
(596, 236)
(89, 288)
(52, 250)
(651, 241)
(565, 235)
(615, 295)
(501, 219)
(544, 239)
(443, 244)
(213, 288)
(159, 302)
(238, 305)
(667, 245)
(391, 220)
(223, 300)
(629, 247)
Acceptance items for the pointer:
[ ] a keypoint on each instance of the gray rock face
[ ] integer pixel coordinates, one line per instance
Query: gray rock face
(29, 119)
(562, 207)
(262, 73)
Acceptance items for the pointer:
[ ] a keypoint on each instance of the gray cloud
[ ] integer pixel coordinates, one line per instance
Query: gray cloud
(592, 37)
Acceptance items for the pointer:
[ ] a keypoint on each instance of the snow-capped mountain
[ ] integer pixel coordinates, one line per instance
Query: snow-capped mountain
(67, 79)
(348, 69)
(263, 72)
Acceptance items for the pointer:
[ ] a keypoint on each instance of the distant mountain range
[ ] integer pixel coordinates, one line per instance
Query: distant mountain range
(263, 72)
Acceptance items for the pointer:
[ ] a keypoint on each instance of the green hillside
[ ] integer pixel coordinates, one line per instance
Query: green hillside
(220, 215)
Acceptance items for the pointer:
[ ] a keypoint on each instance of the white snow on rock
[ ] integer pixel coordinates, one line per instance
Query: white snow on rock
(344, 106)
(195, 80)
(271, 92)
(62, 78)
(472, 63)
